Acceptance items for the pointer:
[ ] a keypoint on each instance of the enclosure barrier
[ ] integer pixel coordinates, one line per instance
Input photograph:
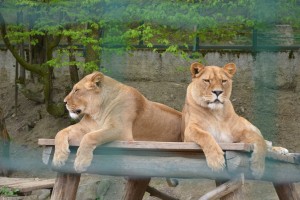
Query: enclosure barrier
(142, 160)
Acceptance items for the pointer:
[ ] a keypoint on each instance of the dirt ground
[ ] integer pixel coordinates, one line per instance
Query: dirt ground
(278, 107)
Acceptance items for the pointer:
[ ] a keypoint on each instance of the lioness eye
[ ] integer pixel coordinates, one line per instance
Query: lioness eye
(224, 81)
(76, 90)
(206, 80)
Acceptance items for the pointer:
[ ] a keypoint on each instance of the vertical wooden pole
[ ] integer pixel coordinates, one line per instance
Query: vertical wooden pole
(286, 191)
(4, 147)
(65, 186)
(236, 194)
(135, 188)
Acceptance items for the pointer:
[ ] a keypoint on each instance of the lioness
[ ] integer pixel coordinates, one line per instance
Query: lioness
(111, 111)
(208, 117)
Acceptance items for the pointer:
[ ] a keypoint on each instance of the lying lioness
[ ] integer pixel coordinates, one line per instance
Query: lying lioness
(208, 117)
(111, 111)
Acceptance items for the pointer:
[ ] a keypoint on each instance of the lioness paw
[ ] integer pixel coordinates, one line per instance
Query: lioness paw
(83, 160)
(60, 157)
(215, 160)
(280, 150)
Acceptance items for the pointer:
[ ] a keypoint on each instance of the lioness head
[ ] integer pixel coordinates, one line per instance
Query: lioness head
(84, 95)
(211, 85)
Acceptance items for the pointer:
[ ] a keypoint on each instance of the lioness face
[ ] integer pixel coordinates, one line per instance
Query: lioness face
(84, 94)
(211, 85)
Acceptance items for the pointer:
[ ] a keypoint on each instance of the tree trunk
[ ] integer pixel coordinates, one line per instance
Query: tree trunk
(4, 147)
(72, 67)
(92, 56)
(21, 78)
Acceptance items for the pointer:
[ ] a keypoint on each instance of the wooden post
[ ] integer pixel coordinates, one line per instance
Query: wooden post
(227, 190)
(65, 186)
(135, 188)
(4, 146)
(286, 191)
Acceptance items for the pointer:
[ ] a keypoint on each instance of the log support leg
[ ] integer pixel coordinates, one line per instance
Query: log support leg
(135, 188)
(227, 190)
(65, 186)
(286, 191)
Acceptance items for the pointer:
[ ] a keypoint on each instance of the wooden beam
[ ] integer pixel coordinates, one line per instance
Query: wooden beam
(277, 171)
(148, 164)
(148, 145)
(158, 159)
(25, 185)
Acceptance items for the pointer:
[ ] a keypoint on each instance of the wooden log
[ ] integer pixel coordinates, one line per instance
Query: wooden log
(65, 186)
(148, 164)
(4, 147)
(231, 189)
(277, 171)
(135, 188)
(286, 191)
(179, 160)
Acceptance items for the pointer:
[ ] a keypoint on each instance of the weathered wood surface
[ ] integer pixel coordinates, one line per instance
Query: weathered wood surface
(148, 145)
(231, 188)
(4, 146)
(277, 170)
(25, 185)
(65, 187)
(135, 188)
(180, 160)
(286, 191)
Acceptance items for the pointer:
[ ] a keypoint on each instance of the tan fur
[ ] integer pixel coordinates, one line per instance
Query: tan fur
(209, 118)
(112, 111)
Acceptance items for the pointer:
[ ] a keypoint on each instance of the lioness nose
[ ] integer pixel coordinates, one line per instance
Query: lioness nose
(217, 92)
(66, 99)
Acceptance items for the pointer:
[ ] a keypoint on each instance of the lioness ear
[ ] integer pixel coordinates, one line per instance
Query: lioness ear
(230, 68)
(95, 80)
(196, 68)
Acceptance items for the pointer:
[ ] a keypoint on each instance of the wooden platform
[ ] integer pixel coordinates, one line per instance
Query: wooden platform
(26, 185)
(142, 160)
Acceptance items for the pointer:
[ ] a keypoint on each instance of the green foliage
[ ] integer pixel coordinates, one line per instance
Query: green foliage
(153, 22)
(8, 192)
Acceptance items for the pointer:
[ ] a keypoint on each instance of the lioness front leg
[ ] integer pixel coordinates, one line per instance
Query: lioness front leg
(62, 150)
(213, 152)
(259, 153)
(73, 134)
(89, 142)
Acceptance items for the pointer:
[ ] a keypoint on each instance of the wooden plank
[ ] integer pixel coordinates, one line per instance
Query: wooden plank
(33, 185)
(10, 181)
(65, 187)
(170, 146)
(286, 191)
(26, 184)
